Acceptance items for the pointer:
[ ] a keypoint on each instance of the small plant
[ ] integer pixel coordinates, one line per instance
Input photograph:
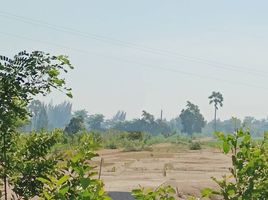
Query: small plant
(195, 146)
(74, 178)
(135, 135)
(161, 193)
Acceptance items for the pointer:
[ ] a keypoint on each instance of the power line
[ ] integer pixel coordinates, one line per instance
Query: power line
(145, 65)
(113, 41)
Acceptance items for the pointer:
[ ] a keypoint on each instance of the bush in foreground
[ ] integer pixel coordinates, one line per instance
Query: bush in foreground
(249, 174)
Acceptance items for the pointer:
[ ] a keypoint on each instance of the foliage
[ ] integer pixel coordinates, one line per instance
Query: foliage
(161, 193)
(74, 178)
(39, 119)
(42, 165)
(226, 126)
(195, 146)
(129, 141)
(22, 78)
(249, 174)
(76, 124)
(119, 116)
(59, 115)
(33, 159)
(81, 113)
(216, 98)
(147, 123)
(47, 116)
(175, 125)
(95, 121)
(192, 120)
(135, 136)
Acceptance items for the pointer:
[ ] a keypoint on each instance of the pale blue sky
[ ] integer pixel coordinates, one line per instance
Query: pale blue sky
(149, 54)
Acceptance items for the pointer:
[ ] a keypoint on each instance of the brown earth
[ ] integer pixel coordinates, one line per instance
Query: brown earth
(187, 170)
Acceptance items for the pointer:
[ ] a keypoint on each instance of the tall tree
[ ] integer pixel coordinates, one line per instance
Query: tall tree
(81, 113)
(76, 124)
(119, 116)
(34, 109)
(95, 121)
(192, 120)
(147, 117)
(59, 115)
(39, 119)
(21, 78)
(216, 99)
(42, 119)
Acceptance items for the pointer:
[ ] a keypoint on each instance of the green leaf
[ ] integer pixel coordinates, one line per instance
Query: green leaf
(63, 179)
(76, 157)
(85, 182)
(43, 180)
(226, 147)
(69, 94)
(206, 192)
(64, 190)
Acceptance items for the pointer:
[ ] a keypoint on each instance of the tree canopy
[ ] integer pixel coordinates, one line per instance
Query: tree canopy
(192, 120)
(21, 78)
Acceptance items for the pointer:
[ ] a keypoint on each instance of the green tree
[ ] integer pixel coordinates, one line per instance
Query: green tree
(21, 78)
(39, 119)
(42, 120)
(82, 113)
(147, 117)
(120, 116)
(95, 121)
(76, 124)
(216, 99)
(192, 120)
(59, 115)
(34, 109)
(33, 159)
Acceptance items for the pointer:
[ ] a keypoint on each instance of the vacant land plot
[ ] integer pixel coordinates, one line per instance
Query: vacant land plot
(175, 165)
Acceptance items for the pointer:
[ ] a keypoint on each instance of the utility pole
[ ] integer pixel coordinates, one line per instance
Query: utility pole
(161, 115)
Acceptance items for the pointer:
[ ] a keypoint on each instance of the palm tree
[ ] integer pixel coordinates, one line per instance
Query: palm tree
(216, 98)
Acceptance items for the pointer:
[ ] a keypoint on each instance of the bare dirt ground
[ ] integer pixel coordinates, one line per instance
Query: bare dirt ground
(169, 164)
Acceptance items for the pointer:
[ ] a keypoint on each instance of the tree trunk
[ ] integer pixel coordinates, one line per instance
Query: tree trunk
(5, 166)
(215, 120)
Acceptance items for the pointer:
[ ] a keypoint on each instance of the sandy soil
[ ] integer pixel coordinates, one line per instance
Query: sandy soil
(188, 170)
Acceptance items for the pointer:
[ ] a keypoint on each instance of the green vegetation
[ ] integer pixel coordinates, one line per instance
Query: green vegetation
(59, 116)
(45, 165)
(75, 125)
(216, 98)
(195, 146)
(58, 164)
(192, 120)
(161, 193)
(23, 77)
(249, 174)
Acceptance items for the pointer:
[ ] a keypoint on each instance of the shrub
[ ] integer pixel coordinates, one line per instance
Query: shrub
(111, 146)
(42, 166)
(135, 135)
(165, 193)
(194, 146)
(31, 160)
(249, 174)
(74, 177)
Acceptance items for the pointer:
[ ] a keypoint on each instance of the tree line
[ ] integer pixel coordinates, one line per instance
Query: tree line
(189, 121)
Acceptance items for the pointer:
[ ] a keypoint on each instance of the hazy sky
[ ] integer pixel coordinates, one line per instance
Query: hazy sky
(149, 54)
